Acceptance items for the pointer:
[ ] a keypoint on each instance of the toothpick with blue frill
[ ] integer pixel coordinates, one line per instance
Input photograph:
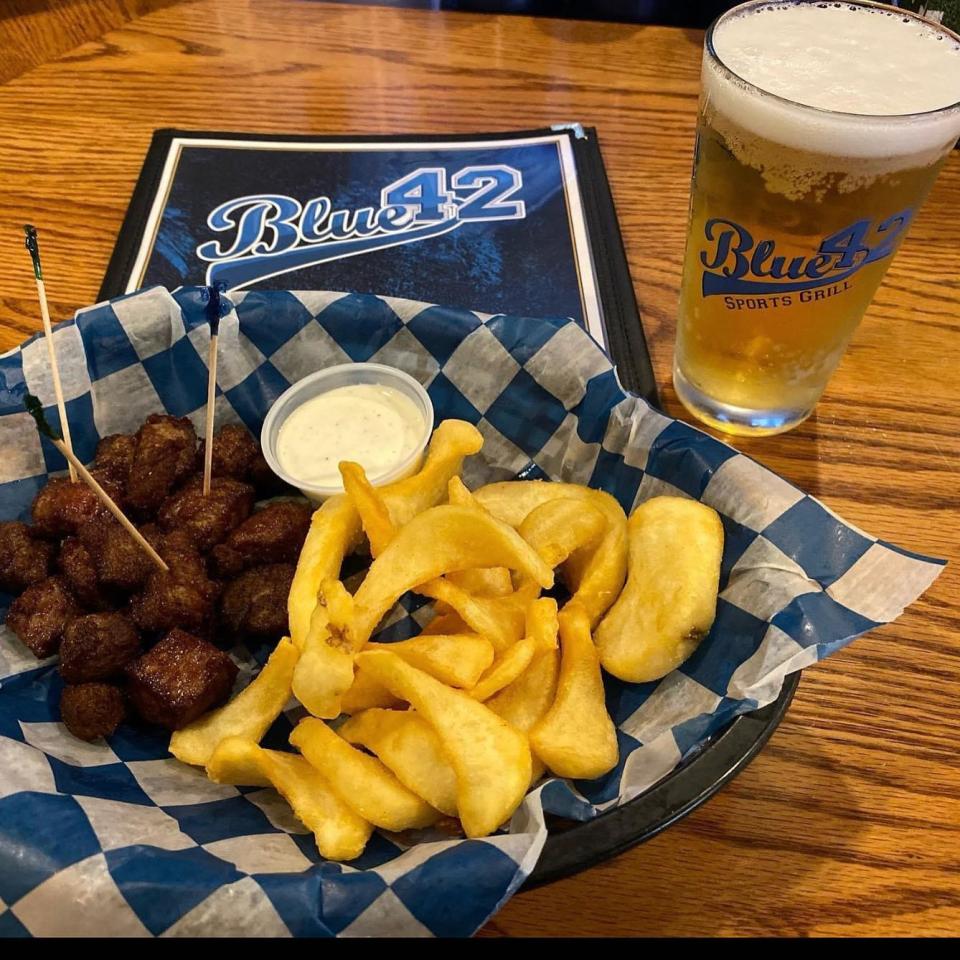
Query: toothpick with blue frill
(213, 317)
(30, 242)
(35, 408)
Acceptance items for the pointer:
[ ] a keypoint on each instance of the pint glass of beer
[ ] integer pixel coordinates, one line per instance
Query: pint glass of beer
(822, 128)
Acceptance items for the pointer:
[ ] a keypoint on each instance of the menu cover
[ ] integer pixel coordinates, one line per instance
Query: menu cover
(515, 223)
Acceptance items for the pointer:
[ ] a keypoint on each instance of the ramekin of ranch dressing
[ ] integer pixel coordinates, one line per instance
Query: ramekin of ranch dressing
(371, 414)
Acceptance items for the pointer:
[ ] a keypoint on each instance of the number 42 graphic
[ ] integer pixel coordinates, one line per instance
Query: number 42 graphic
(474, 193)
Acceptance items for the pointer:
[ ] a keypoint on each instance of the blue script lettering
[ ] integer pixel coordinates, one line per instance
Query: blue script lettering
(748, 266)
(319, 222)
(724, 247)
(315, 214)
(252, 218)
(274, 234)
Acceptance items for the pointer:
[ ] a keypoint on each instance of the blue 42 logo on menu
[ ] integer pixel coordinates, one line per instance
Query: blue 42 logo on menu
(475, 193)
(271, 234)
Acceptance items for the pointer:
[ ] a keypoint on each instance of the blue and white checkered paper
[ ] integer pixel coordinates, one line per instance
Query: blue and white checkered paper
(118, 838)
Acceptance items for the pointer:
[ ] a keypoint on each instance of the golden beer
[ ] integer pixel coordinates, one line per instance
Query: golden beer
(798, 203)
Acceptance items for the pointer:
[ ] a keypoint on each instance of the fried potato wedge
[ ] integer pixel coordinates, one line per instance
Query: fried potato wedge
(513, 609)
(499, 619)
(542, 623)
(558, 528)
(373, 511)
(479, 582)
(408, 746)
(458, 493)
(367, 693)
(595, 574)
(435, 542)
(325, 668)
(248, 715)
(457, 660)
(321, 676)
(491, 759)
(507, 667)
(241, 762)
(670, 600)
(511, 500)
(334, 531)
(483, 581)
(526, 701)
(445, 623)
(339, 832)
(452, 442)
(576, 738)
(541, 635)
(338, 601)
(361, 781)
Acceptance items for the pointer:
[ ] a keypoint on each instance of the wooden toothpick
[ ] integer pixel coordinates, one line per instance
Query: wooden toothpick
(213, 312)
(35, 409)
(30, 241)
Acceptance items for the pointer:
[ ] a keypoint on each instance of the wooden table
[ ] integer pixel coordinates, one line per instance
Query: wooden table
(849, 821)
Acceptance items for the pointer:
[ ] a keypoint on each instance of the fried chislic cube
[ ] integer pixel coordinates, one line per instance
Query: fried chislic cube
(184, 597)
(234, 452)
(97, 647)
(237, 454)
(179, 679)
(62, 507)
(78, 568)
(266, 482)
(119, 560)
(92, 710)
(180, 544)
(40, 614)
(255, 604)
(114, 456)
(274, 534)
(164, 457)
(23, 560)
(208, 518)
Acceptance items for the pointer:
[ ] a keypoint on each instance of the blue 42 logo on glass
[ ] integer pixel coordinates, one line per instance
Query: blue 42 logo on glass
(748, 266)
(270, 234)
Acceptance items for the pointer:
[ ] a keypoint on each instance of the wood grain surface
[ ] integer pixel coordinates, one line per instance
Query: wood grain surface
(35, 31)
(849, 821)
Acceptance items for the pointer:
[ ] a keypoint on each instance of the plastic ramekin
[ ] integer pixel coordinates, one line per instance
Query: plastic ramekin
(345, 375)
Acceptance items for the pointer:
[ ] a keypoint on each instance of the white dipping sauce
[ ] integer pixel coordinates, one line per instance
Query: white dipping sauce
(370, 424)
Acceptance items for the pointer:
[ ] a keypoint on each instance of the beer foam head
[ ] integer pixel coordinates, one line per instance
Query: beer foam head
(884, 84)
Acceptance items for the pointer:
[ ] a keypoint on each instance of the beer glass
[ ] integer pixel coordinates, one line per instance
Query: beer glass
(801, 195)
